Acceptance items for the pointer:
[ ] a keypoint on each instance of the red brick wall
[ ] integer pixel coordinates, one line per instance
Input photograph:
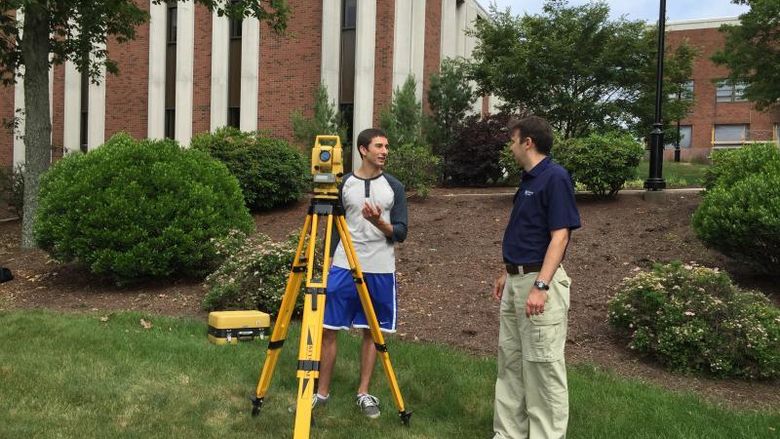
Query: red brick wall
(383, 58)
(432, 44)
(706, 111)
(127, 91)
(290, 68)
(58, 111)
(6, 134)
(201, 78)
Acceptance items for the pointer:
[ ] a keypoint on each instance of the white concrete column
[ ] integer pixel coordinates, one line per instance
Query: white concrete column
(402, 42)
(417, 52)
(97, 112)
(250, 73)
(409, 43)
(331, 48)
(220, 45)
(71, 137)
(365, 47)
(157, 40)
(449, 21)
(185, 56)
(19, 150)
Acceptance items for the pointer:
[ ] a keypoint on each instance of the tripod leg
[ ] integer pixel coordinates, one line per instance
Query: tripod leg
(311, 337)
(282, 323)
(373, 324)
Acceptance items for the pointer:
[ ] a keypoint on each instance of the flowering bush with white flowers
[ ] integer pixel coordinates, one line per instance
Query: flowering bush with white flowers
(694, 319)
(254, 274)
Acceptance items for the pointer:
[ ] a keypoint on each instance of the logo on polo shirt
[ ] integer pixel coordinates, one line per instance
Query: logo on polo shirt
(528, 193)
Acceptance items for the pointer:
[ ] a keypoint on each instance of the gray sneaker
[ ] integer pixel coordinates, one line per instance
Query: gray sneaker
(316, 401)
(369, 405)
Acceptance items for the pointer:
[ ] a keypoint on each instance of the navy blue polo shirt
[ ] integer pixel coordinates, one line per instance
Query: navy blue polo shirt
(544, 202)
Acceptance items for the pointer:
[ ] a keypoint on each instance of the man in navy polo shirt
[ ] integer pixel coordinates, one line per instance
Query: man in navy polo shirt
(532, 398)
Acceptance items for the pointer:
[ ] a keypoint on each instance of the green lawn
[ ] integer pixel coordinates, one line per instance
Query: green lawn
(74, 376)
(677, 175)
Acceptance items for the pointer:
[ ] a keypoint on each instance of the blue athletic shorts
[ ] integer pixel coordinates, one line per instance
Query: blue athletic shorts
(343, 309)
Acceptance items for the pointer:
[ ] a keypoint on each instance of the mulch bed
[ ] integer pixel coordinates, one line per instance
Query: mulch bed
(445, 272)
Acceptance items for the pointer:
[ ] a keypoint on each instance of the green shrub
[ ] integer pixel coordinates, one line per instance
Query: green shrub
(253, 275)
(135, 209)
(415, 166)
(731, 165)
(450, 98)
(601, 162)
(271, 172)
(402, 120)
(12, 188)
(694, 319)
(742, 220)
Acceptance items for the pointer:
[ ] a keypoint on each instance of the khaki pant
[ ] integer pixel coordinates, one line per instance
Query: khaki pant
(532, 399)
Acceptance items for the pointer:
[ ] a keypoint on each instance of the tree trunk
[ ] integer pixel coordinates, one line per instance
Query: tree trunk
(37, 133)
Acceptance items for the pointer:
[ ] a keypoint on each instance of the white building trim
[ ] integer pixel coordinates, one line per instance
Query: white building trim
(185, 56)
(331, 48)
(365, 47)
(449, 29)
(409, 43)
(701, 23)
(71, 130)
(157, 41)
(250, 76)
(97, 112)
(220, 52)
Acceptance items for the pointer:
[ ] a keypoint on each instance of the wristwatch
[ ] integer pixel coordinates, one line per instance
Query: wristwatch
(540, 284)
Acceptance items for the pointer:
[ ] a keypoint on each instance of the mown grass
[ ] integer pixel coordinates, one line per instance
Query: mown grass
(75, 376)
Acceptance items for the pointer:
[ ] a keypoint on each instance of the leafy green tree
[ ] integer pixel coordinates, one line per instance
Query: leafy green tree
(752, 51)
(572, 65)
(402, 120)
(326, 120)
(450, 97)
(54, 31)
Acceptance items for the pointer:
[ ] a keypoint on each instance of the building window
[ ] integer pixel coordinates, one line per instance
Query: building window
(729, 136)
(686, 134)
(234, 72)
(84, 120)
(170, 72)
(730, 91)
(347, 63)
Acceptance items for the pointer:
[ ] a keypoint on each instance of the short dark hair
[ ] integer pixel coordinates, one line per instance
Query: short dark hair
(535, 127)
(366, 136)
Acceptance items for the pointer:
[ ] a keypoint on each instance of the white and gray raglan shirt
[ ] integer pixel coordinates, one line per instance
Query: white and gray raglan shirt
(374, 250)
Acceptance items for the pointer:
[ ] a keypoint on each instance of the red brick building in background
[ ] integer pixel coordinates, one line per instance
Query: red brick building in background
(720, 116)
(190, 71)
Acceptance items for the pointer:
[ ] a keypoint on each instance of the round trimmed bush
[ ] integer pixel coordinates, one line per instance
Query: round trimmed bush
(415, 166)
(135, 209)
(740, 213)
(270, 171)
(601, 162)
(694, 319)
(253, 274)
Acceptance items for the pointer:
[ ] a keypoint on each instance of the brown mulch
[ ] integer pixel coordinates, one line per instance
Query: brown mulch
(445, 273)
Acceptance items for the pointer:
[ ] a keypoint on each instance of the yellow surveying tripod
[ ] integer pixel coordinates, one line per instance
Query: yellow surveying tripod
(327, 168)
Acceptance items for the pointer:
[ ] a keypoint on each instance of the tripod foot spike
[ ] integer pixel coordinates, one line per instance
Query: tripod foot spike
(257, 403)
(405, 417)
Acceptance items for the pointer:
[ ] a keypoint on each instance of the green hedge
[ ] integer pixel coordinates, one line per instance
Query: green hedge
(135, 209)
(270, 171)
(740, 213)
(601, 162)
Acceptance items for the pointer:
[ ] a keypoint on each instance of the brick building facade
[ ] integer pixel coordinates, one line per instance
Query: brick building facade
(190, 71)
(720, 117)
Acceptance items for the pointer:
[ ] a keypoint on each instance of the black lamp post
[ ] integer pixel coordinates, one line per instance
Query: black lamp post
(655, 182)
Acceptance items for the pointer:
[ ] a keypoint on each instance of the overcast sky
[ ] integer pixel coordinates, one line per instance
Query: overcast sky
(639, 9)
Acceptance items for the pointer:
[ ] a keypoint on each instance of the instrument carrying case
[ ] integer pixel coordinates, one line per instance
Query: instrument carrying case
(228, 327)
